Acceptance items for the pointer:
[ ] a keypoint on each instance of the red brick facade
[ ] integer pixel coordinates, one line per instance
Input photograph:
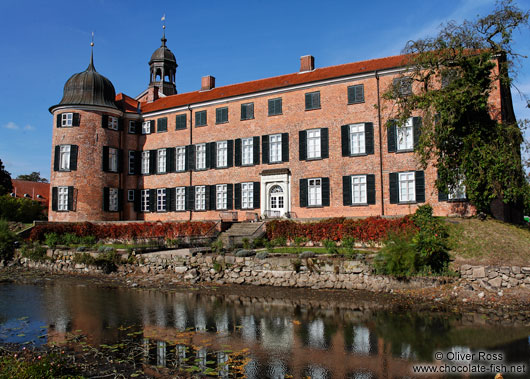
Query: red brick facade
(88, 180)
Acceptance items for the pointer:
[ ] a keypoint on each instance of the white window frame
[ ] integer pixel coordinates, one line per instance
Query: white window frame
(132, 163)
(359, 190)
(200, 156)
(221, 196)
(247, 151)
(407, 187)
(64, 157)
(130, 195)
(161, 161)
(132, 127)
(67, 120)
(113, 159)
(275, 148)
(146, 127)
(144, 200)
(221, 148)
(458, 192)
(145, 162)
(313, 144)
(161, 200)
(180, 198)
(247, 195)
(62, 198)
(314, 192)
(357, 139)
(113, 123)
(405, 136)
(180, 158)
(200, 198)
(113, 199)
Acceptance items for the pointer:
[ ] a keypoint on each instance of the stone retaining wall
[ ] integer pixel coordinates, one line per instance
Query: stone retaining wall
(495, 278)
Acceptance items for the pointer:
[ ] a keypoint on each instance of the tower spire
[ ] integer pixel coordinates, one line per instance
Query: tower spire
(91, 65)
(164, 40)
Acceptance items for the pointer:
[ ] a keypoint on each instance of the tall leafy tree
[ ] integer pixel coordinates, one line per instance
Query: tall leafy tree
(455, 75)
(5, 180)
(33, 177)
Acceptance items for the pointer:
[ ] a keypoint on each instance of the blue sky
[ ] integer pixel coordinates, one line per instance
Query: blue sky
(44, 42)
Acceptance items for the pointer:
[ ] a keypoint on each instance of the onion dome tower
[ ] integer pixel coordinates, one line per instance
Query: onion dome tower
(163, 68)
(86, 155)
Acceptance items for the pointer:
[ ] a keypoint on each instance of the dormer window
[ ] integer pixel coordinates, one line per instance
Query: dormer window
(27, 195)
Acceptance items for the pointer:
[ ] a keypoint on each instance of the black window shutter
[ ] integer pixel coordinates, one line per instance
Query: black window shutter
(137, 200)
(370, 189)
(443, 196)
(218, 115)
(285, 147)
(255, 148)
(211, 155)
(256, 194)
(265, 149)
(213, 203)
(345, 140)
(394, 189)
(325, 192)
(302, 144)
(190, 198)
(76, 119)
(351, 96)
(56, 158)
(137, 162)
(237, 196)
(250, 112)
(303, 192)
(106, 199)
(229, 196)
(359, 93)
(243, 111)
(346, 190)
(120, 200)
(237, 153)
(308, 102)
(416, 126)
(419, 178)
(105, 158)
(120, 160)
(230, 153)
(70, 198)
(171, 199)
(162, 124)
(55, 199)
(73, 157)
(392, 136)
(151, 126)
(316, 100)
(58, 120)
(170, 159)
(207, 190)
(105, 121)
(152, 200)
(152, 161)
(324, 143)
(120, 124)
(138, 127)
(369, 138)
(190, 157)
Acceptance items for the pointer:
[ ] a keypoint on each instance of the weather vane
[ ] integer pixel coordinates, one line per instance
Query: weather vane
(92, 42)
(163, 19)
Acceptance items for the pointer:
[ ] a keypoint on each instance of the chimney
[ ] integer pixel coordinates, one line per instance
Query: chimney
(207, 83)
(307, 63)
(152, 94)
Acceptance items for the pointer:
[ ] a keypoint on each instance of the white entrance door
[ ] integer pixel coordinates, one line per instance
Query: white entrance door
(276, 201)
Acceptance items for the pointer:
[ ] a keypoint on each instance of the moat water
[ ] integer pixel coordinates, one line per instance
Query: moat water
(278, 337)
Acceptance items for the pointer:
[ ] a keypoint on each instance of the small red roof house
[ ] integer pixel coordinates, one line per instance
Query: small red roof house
(32, 190)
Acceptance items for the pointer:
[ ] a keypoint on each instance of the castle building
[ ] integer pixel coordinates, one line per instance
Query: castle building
(310, 144)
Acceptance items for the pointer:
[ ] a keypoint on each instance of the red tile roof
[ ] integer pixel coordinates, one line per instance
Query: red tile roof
(127, 103)
(275, 82)
(21, 187)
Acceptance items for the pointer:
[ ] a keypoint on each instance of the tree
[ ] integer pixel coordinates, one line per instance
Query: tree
(462, 134)
(5, 180)
(33, 177)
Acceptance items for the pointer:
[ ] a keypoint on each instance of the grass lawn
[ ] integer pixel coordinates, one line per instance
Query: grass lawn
(489, 242)
(316, 250)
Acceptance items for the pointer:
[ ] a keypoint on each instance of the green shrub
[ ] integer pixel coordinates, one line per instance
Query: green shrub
(20, 209)
(217, 246)
(7, 241)
(105, 249)
(84, 258)
(258, 243)
(297, 264)
(217, 267)
(246, 243)
(87, 240)
(279, 241)
(331, 246)
(398, 257)
(298, 242)
(70, 239)
(269, 245)
(35, 253)
(348, 243)
(173, 242)
(52, 240)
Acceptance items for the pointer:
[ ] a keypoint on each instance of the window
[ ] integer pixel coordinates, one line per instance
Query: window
(62, 199)
(313, 144)
(200, 198)
(312, 100)
(66, 121)
(356, 94)
(247, 111)
(458, 192)
(221, 115)
(448, 77)
(144, 204)
(145, 162)
(132, 162)
(180, 157)
(180, 121)
(357, 143)
(113, 123)
(222, 153)
(200, 156)
(275, 106)
(200, 118)
(405, 136)
(161, 161)
(113, 199)
(248, 151)
(358, 190)
(146, 127)
(275, 146)
(407, 191)
(247, 195)
(315, 192)
(402, 86)
(113, 159)
(132, 127)
(221, 196)
(64, 158)
(161, 125)
(130, 196)
(161, 200)
(180, 198)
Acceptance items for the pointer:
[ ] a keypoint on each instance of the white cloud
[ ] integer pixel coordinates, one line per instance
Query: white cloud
(14, 126)
(29, 127)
